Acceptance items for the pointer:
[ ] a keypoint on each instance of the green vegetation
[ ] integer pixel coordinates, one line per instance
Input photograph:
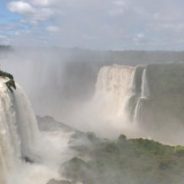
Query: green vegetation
(4, 48)
(134, 161)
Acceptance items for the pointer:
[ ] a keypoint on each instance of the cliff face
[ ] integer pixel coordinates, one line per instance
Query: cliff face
(159, 108)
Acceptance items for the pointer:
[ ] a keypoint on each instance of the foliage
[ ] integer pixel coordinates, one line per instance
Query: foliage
(134, 161)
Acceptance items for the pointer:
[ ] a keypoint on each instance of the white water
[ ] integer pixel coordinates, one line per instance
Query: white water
(9, 140)
(141, 96)
(54, 151)
(26, 122)
(112, 88)
(20, 138)
(16, 138)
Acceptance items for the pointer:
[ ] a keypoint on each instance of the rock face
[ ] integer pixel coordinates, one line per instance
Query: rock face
(151, 96)
(159, 102)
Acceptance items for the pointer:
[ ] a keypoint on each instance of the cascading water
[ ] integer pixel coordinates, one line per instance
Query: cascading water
(106, 106)
(9, 141)
(122, 90)
(26, 122)
(131, 106)
(142, 97)
(112, 87)
(18, 129)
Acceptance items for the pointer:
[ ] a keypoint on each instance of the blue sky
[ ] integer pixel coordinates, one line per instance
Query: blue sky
(94, 24)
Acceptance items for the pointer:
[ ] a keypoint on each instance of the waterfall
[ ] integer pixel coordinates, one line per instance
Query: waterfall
(112, 88)
(141, 97)
(18, 129)
(26, 122)
(132, 106)
(9, 140)
(151, 97)
(136, 80)
(121, 89)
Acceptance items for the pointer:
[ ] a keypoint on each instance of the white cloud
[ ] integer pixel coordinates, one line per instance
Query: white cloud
(120, 3)
(42, 14)
(45, 2)
(116, 12)
(102, 22)
(140, 35)
(119, 8)
(30, 12)
(4, 40)
(53, 29)
(41, 2)
(138, 38)
(21, 7)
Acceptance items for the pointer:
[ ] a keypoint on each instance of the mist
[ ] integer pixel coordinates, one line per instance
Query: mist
(86, 99)
(63, 83)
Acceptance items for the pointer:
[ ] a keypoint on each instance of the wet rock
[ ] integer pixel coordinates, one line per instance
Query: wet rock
(11, 84)
(5, 74)
(27, 159)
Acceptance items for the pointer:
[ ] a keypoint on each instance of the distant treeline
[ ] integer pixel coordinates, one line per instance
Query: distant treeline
(5, 48)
